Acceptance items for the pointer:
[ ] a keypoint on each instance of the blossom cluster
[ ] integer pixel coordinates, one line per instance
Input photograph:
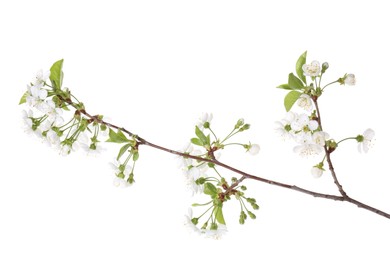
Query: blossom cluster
(206, 145)
(44, 117)
(305, 128)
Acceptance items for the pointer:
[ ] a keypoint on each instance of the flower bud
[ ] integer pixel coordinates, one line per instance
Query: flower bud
(251, 215)
(239, 123)
(245, 127)
(195, 221)
(325, 66)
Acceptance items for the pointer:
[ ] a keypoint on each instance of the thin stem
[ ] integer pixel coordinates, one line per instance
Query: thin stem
(329, 84)
(348, 138)
(215, 137)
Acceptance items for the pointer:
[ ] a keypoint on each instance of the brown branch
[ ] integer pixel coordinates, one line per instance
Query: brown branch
(244, 175)
(327, 152)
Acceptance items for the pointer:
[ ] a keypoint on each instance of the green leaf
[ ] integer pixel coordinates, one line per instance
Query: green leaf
(56, 74)
(23, 98)
(300, 62)
(196, 141)
(219, 215)
(290, 99)
(123, 150)
(210, 189)
(201, 136)
(285, 86)
(294, 82)
(118, 137)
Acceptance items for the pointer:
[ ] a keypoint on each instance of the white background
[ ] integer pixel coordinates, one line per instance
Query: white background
(153, 67)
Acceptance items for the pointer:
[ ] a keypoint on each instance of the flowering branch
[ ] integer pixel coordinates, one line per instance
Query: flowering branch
(245, 175)
(85, 129)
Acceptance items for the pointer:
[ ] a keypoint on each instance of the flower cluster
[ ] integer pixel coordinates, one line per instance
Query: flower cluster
(44, 117)
(196, 161)
(305, 128)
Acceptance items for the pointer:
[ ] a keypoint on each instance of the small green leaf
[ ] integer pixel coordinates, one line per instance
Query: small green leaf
(201, 136)
(285, 86)
(123, 150)
(196, 141)
(210, 189)
(118, 137)
(294, 82)
(23, 98)
(300, 62)
(56, 74)
(219, 215)
(290, 99)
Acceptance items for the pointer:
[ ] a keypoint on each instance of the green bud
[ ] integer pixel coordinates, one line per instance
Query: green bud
(200, 181)
(250, 200)
(195, 221)
(243, 187)
(120, 175)
(103, 127)
(239, 123)
(131, 178)
(287, 128)
(206, 125)
(234, 179)
(122, 167)
(205, 225)
(92, 146)
(213, 226)
(359, 138)
(241, 221)
(245, 127)
(331, 144)
(255, 206)
(251, 215)
(325, 66)
(211, 165)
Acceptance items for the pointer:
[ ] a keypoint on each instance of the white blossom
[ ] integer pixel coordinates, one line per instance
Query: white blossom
(52, 138)
(284, 126)
(54, 113)
(188, 223)
(308, 149)
(320, 138)
(305, 102)
(215, 234)
(35, 96)
(312, 70)
(316, 172)
(92, 149)
(350, 80)
(206, 117)
(65, 149)
(41, 77)
(185, 162)
(368, 140)
(190, 177)
(121, 174)
(254, 149)
(26, 116)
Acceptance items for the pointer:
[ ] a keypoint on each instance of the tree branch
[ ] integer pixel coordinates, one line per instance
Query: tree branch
(327, 152)
(244, 175)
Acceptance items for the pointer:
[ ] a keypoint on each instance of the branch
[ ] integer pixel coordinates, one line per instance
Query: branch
(327, 152)
(244, 175)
